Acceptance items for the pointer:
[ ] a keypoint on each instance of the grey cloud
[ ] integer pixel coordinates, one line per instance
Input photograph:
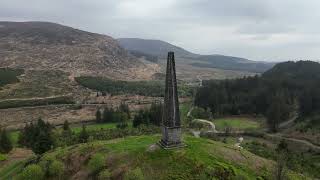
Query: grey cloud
(255, 29)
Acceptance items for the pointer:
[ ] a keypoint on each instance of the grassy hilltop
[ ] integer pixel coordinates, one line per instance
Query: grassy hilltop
(132, 157)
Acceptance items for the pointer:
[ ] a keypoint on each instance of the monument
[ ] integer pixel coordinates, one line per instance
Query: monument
(171, 130)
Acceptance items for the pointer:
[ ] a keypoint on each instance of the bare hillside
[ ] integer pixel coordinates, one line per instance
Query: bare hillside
(49, 46)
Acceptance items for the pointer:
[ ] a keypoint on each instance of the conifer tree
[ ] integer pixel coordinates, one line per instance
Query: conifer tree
(122, 120)
(108, 115)
(155, 113)
(125, 108)
(277, 112)
(37, 137)
(66, 126)
(83, 136)
(5, 142)
(43, 142)
(98, 116)
(138, 119)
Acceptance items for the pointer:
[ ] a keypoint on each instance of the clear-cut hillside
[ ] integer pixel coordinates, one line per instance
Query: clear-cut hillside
(50, 46)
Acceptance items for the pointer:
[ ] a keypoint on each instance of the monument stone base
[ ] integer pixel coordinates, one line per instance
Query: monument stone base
(171, 138)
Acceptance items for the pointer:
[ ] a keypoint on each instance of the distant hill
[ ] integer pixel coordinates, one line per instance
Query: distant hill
(300, 70)
(153, 47)
(232, 63)
(48, 46)
(294, 84)
(160, 48)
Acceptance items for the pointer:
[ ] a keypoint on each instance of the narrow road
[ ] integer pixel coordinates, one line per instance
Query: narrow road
(213, 127)
(289, 122)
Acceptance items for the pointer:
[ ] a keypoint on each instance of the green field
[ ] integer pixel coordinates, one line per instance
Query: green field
(236, 123)
(200, 159)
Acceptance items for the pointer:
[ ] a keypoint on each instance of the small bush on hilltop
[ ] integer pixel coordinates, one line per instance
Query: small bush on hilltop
(32, 172)
(3, 157)
(56, 169)
(135, 174)
(52, 167)
(96, 163)
(104, 175)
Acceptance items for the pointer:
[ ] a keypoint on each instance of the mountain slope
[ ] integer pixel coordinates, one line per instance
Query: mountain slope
(160, 49)
(300, 70)
(48, 46)
(232, 63)
(153, 47)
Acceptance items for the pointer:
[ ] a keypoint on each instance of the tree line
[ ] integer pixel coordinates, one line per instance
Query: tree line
(120, 115)
(286, 89)
(151, 116)
(41, 136)
(144, 88)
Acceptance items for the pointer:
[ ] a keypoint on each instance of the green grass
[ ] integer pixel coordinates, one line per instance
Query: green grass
(184, 108)
(236, 123)
(3, 157)
(307, 162)
(14, 136)
(199, 158)
(183, 163)
(12, 169)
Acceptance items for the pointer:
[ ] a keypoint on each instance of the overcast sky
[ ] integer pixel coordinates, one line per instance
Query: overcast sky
(269, 30)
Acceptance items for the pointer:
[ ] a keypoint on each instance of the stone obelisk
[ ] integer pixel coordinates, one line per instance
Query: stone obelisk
(171, 130)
